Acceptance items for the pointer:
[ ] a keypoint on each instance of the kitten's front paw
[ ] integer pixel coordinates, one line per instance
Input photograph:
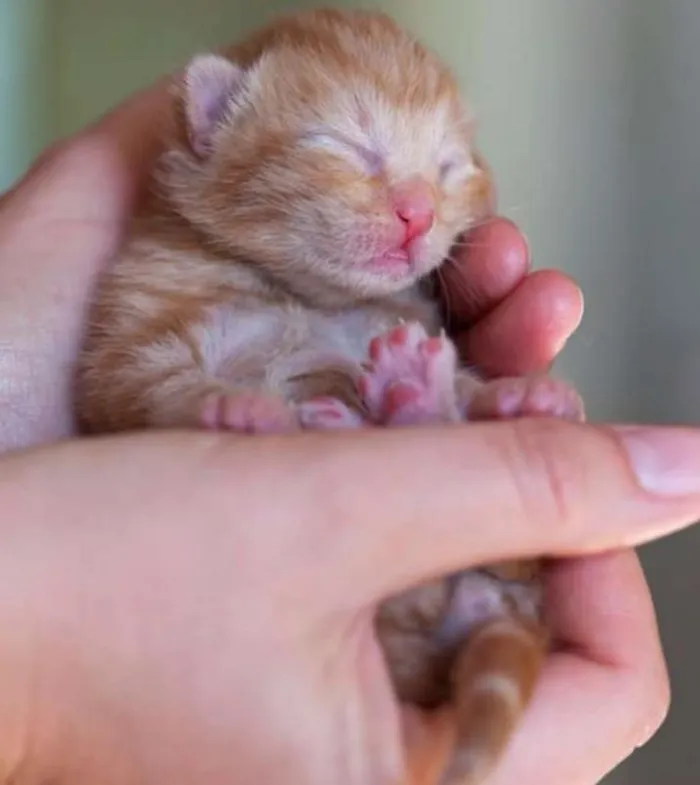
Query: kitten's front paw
(410, 378)
(327, 414)
(247, 413)
(535, 397)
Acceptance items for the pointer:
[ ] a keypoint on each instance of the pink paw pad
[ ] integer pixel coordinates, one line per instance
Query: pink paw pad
(539, 397)
(410, 378)
(247, 413)
(327, 414)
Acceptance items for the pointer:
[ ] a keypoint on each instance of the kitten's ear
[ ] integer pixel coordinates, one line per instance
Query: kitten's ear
(212, 84)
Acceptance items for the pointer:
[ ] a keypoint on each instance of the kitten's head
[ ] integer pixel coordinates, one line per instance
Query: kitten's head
(331, 146)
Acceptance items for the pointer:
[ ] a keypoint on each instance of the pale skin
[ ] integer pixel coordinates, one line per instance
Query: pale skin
(161, 612)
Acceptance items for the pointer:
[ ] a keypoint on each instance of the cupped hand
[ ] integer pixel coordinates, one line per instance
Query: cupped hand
(190, 608)
(199, 626)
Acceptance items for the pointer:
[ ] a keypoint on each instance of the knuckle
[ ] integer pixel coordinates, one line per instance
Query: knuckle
(652, 704)
(57, 158)
(69, 157)
(545, 476)
(49, 171)
(51, 155)
(77, 157)
(645, 697)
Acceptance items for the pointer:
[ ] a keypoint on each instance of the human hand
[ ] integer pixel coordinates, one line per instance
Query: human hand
(179, 608)
(64, 221)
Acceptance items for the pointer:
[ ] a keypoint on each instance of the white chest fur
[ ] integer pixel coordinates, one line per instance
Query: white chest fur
(287, 340)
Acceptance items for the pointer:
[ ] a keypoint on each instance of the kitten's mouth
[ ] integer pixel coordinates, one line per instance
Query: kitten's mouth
(396, 263)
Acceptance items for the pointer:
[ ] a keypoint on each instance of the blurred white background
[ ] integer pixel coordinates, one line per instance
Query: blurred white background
(590, 115)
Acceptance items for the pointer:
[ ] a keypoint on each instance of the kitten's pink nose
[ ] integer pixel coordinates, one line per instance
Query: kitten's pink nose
(414, 204)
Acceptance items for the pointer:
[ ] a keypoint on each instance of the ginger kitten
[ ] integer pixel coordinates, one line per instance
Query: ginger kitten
(278, 276)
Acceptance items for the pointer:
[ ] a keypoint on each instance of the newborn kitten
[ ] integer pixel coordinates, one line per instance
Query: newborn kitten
(277, 277)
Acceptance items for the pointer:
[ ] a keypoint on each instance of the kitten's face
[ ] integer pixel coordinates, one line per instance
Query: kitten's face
(342, 153)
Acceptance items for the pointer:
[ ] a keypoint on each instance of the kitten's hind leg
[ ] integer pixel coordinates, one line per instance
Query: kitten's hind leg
(494, 675)
(490, 630)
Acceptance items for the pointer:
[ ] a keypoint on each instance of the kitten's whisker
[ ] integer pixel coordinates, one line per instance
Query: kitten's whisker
(470, 246)
(452, 262)
(446, 296)
(516, 208)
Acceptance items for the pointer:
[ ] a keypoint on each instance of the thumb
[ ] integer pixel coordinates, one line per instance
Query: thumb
(407, 505)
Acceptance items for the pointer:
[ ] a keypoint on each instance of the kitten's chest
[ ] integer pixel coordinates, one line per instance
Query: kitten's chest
(331, 354)
(349, 332)
(285, 341)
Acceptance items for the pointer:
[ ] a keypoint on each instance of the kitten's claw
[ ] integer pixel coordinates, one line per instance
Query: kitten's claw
(327, 414)
(410, 378)
(247, 413)
(522, 397)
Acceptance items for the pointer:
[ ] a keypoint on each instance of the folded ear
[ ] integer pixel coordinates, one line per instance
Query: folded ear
(212, 84)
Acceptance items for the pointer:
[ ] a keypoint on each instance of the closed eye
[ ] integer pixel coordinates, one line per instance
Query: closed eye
(456, 169)
(371, 160)
(446, 169)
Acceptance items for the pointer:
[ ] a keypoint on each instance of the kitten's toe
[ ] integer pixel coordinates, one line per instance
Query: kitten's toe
(247, 413)
(327, 414)
(535, 397)
(410, 378)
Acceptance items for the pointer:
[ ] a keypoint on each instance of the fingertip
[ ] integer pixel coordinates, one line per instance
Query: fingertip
(601, 609)
(506, 241)
(133, 129)
(525, 333)
(562, 309)
(138, 115)
(108, 158)
(491, 260)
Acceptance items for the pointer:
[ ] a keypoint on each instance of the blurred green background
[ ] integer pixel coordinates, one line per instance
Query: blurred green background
(590, 115)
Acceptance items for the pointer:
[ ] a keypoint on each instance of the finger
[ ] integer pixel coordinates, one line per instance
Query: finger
(67, 215)
(487, 266)
(367, 514)
(98, 171)
(524, 334)
(600, 610)
(397, 507)
(64, 221)
(595, 602)
(608, 693)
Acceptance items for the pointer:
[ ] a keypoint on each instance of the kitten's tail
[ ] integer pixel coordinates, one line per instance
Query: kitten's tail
(494, 677)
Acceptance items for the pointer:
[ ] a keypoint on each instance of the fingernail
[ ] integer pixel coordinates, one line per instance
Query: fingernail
(666, 461)
(561, 316)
